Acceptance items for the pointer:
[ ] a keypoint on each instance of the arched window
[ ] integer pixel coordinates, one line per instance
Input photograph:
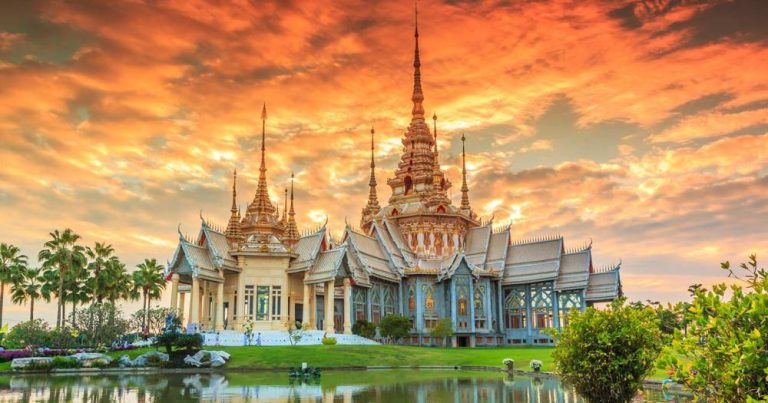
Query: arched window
(514, 305)
(408, 184)
(395, 212)
(439, 245)
(441, 209)
(411, 299)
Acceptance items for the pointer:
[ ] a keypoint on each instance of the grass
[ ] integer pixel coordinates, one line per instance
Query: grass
(266, 357)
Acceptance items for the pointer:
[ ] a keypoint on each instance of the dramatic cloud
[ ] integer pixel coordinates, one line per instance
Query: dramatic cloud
(642, 125)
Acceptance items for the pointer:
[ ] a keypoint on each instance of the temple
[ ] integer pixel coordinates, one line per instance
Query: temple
(419, 256)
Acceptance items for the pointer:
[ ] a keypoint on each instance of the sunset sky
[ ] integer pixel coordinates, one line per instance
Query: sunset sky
(642, 125)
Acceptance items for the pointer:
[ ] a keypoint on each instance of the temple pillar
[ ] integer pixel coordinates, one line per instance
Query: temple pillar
(206, 305)
(240, 308)
(194, 304)
(182, 296)
(420, 239)
(329, 291)
(312, 320)
(305, 305)
(445, 243)
(285, 309)
(174, 290)
(219, 323)
(347, 306)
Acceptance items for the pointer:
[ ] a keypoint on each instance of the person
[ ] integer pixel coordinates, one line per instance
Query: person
(258, 339)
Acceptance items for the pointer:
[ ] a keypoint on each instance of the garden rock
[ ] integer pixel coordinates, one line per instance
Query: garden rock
(202, 358)
(149, 359)
(23, 363)
(89, 359)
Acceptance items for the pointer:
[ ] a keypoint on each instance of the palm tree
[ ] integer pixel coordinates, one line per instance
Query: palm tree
(61, 255)
(11, 262)
(116, 282)
(28, 286)
(150, 282)
(100, 255)
(77, 291)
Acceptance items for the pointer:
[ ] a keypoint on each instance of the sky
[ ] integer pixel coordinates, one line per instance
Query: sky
(639, 125)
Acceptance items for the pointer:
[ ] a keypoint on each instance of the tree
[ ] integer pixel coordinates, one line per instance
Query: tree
(27, 286)
(99, 256)
(149, 281)
(724, 356)
(364, 328)
(606, 354)
(116, 283)
(11, 263)
(443, 330)
(395, 327)
(101, 324)
(62, 254)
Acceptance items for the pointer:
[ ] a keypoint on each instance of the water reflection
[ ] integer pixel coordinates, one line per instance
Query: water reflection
(335, 386)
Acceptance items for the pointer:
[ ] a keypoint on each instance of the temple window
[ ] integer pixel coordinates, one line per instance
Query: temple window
(541, 305)
(439, 246)
(359, 302)
(411, 298)
(430, 316)
(276, 294)
(249, 301)
(567, 301)
(389, 301)
(515, 309)
(479, 296)
(441, 209)
(408, 184)
(462, 302)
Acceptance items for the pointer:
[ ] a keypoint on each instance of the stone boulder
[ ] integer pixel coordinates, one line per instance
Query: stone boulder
(88, 360)
(24, 363)
(205, 359)
(148, 359)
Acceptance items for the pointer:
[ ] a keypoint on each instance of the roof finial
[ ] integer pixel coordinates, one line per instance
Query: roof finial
(418, 96)
(262, 207)
(464, 188)
(233, 231)
(292, 232)
(372, 207)
(234, 192)
(285, 207)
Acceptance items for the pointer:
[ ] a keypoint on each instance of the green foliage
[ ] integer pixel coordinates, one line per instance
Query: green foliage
(364, 328)
(154, 319)
(62, 260)
(443, 329)
(606, 354)
(31, 333)
(101, 324)
(724, 356)
(395, 327)
(167, 340)
(296, 333)
(62, 338)
(65, 362)
(329, 341)
(189, 341)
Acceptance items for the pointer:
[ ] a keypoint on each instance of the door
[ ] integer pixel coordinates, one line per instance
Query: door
(298, 312)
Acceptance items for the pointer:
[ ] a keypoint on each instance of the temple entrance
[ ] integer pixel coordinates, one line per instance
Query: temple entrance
(298, 312)
(226, 314)
(462, 341)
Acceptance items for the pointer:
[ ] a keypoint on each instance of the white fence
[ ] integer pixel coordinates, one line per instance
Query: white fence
(278, 338)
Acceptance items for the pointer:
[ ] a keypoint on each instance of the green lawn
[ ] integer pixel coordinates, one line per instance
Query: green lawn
(385, 355)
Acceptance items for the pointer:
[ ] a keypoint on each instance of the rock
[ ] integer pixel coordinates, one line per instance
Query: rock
(89, 359)
(151, 358)
(124, 362)
(203, 358)
(23, 363)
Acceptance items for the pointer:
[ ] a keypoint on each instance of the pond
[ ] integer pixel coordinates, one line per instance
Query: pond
(334, 386)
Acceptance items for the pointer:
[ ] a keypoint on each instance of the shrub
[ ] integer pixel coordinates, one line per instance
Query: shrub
(62, 338)
(329, 341)
(509, 364)
(606, 354)
(536, 365)
(364, 328)
(31, 333)
(167, 340)
(189, 341)
(65, 362)
(395, 327)
(9, 355)
(156, 323)
(725, 354)
(443, 330)
(101, 324)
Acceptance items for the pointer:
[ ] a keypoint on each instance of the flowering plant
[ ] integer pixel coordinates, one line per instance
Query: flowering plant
(509, 363)
(536, 365)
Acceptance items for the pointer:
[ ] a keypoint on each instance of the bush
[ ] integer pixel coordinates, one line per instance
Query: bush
(167, 340)
(364, 328)
(606, 354)
(65, 362)
(9, 355)
(329, 341)
(443, 330)
(101, 324)
(395, 327)
(189, 341)
(724, 357)
(157, 316)
(62, 338)
(31, 333)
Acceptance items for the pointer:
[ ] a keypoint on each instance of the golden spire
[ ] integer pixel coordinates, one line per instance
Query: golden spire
(372, 207)
(418, 96)
(283, 220)
(464, 188)
(292, 232)
(261, 209)
(233, 231)
(437, 175)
